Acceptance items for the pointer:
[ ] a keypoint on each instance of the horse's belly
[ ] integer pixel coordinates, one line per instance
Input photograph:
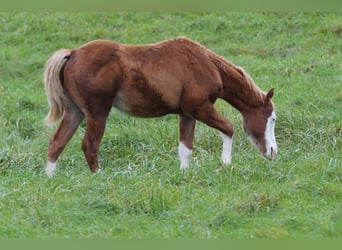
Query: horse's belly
(140, 105)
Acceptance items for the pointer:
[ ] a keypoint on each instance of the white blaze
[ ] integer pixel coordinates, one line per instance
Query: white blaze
(270, 141)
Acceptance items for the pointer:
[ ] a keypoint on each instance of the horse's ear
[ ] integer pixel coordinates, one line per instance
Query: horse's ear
(269, 95)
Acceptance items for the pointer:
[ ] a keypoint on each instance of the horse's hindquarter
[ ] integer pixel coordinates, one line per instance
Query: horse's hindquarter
(92, 74)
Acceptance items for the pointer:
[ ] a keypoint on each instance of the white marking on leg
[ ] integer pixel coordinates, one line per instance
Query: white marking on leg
(50, 168)
(226, 149)
(184, 155)
(270, 141)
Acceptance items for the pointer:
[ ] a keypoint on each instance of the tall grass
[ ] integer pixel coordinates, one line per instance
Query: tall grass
(140, 191)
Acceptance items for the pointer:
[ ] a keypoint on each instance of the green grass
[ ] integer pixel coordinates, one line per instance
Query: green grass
(140, 191)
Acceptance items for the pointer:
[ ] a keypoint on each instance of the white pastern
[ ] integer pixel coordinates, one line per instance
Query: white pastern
(50, 169)
(226, 149)
(184, 155)
(270, 141)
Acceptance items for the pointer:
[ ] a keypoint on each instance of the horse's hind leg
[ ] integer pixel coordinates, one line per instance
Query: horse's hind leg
(95, 126)
(209, 115)
(71, 119)
(186, 135)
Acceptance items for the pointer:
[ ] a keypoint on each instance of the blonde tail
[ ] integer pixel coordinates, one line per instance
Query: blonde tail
(53, 85)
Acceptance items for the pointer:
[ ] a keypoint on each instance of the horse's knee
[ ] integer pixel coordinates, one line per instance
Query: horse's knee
(227, 129)
(230, 130)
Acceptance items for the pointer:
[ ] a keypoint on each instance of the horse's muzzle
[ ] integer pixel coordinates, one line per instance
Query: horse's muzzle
(271, 155)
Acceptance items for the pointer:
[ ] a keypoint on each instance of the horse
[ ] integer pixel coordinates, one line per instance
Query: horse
(175, 76)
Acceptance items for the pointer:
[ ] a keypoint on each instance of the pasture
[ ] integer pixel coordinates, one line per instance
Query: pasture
(140, 191)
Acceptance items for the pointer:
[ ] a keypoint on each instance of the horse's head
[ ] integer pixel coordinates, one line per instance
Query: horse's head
(259, 124)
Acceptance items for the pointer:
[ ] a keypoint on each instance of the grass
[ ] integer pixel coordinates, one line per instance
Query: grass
(140, 192)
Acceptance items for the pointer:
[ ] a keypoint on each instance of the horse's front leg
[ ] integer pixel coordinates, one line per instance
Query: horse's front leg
(226, 156)
(186, 136)
(209, 115)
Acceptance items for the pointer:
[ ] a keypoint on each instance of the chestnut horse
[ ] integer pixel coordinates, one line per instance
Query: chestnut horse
(176, 76)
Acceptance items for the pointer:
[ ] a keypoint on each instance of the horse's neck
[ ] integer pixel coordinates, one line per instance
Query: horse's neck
(238, 87)
(240, 94)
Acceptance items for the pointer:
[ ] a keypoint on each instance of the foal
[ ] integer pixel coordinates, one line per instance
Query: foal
(176, 76)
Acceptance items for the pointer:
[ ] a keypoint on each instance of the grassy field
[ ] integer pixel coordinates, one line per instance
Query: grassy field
(140, 191)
